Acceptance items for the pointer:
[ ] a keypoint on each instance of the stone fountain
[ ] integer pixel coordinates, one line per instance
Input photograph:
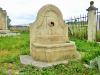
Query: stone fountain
(49, 42)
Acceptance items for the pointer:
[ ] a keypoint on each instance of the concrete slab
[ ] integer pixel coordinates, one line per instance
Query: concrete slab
(28, 60)
(9, 34)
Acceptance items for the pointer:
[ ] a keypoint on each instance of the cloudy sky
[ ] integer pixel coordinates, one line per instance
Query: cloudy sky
(25, 11)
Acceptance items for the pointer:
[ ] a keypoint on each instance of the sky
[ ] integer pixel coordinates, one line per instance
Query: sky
(25, 11)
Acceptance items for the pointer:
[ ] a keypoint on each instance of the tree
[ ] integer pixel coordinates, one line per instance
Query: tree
(8, 22)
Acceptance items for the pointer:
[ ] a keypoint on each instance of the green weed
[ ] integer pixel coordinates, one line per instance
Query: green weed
(12, 47)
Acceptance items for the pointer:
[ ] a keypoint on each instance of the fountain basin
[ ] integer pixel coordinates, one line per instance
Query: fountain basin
(54, 52)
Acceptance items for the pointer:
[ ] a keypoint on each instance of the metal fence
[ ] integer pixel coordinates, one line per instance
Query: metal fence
(98, 20)
(78, 26)
(98, 27)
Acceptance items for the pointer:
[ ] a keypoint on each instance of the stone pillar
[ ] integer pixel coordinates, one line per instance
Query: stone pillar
(5, 19)
(92, 22)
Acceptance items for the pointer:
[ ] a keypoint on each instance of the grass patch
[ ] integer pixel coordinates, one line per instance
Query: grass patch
(90, 49)
(12, 47)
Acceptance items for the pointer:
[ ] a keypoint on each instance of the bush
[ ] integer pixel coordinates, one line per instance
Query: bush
(98, 36)
(79, 32)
